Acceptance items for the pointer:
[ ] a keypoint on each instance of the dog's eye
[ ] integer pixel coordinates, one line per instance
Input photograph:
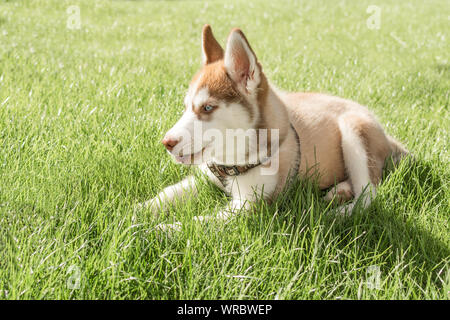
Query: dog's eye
(208, 108)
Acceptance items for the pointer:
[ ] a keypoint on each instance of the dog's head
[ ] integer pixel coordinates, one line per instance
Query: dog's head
(224, 95)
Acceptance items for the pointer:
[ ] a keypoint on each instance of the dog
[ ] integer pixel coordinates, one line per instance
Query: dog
(337, 142)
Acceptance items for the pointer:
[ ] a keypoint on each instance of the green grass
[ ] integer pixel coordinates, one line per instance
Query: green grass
(82, 113)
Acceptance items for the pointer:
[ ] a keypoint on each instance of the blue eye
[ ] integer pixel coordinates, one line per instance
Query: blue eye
(208, 108)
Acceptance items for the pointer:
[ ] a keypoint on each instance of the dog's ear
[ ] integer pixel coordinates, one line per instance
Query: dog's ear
(211, 49)
(241, 63)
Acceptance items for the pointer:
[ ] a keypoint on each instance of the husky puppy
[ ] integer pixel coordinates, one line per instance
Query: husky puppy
(335, 141)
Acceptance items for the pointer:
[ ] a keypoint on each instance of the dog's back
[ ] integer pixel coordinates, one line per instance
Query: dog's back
(342, 142)
(336, 141)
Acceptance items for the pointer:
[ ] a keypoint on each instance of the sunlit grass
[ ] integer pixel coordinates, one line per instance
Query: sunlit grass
(82, 113)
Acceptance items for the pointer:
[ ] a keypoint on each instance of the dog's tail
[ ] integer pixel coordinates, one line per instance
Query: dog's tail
(398, 151)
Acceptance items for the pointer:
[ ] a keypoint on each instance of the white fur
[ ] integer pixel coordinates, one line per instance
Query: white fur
(309, 115)
(253, 185)
(356, 161)
(170, 195)
(344, 186)
(201, 97)
(235, 44)
(244, 191)
(190, 140)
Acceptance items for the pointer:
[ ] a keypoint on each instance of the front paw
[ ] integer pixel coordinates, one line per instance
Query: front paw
(345, 210)
(154, 206)
(169, 228)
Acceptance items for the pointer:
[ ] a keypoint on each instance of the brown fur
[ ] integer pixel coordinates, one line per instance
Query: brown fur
(337, 136)
(314, 117)
(211, 48)
(376, 145)
(220, 87)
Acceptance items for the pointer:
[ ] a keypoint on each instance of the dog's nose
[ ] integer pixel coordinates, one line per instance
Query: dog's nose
(169, 143)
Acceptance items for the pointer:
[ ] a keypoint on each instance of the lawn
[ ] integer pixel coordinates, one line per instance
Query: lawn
(83, 110)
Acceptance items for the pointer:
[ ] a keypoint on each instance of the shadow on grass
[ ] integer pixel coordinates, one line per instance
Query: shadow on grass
(389, 234)
(443, 68)
(392, 224)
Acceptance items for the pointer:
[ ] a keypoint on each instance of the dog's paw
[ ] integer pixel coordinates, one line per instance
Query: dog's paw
(345, 210)
(342, 192)
(329, 196)
(154, 206)
(169, 228)
(202, 219)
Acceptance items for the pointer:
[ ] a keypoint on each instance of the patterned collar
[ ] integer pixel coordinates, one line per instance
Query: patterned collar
(222, 171)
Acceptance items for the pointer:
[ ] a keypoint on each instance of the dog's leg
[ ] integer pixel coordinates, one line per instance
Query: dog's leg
(233, 208)
(180, 191)
(225, 215)
(357, 165)
(342, 192)
(244, 192)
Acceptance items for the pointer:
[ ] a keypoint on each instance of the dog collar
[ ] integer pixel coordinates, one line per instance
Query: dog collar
(222, 171)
